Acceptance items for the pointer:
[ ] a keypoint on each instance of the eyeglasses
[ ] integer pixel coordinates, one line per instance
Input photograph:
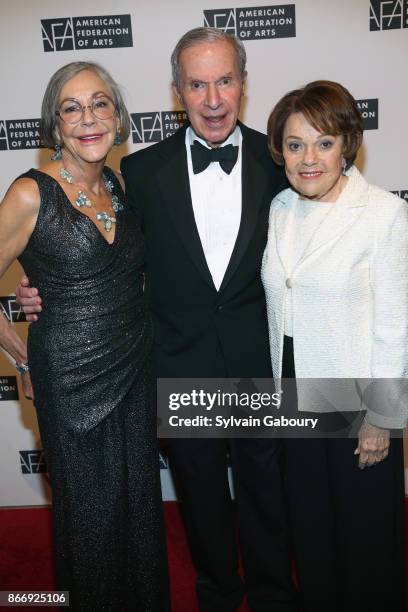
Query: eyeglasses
(71, 111)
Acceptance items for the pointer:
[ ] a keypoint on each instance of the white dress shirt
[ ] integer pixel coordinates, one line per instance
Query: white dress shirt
(217, 200)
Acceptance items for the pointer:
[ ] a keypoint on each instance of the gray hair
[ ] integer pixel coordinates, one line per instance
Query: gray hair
(50, 103)
(205, 35)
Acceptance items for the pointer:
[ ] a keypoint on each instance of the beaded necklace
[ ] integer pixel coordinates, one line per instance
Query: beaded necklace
(83, 200)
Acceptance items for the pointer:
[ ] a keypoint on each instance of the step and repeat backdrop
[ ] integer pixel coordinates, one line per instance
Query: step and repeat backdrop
(362, 44)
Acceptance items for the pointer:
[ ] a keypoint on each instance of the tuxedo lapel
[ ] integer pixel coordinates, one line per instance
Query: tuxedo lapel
(254, 185)
(175, 191)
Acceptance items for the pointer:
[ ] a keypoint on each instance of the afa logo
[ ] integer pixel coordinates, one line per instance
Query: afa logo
(155, 126)
(96, 32)
(8, 388)
(4, 143)
(16, 134)
(32, 462)
(402, 193)
(254, 23)
(11, 310)
(369, 112)
(388, 15)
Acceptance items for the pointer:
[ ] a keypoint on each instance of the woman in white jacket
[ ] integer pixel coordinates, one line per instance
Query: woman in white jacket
(335, 272)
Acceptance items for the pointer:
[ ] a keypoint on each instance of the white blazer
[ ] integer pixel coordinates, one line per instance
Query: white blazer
(349, 289)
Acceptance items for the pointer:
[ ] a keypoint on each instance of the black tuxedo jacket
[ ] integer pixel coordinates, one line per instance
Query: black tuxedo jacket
(199, 331)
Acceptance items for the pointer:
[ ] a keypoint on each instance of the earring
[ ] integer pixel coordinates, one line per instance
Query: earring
(344, 165)
(57, 155)
(118, 139)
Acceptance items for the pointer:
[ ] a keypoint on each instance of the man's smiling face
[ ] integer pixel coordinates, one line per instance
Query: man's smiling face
(211, 89)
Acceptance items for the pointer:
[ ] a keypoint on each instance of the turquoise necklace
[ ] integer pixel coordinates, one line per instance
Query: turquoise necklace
(83, 200)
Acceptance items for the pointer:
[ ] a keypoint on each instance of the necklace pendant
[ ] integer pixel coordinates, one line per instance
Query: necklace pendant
(106, 220)
(66, 176)
(108, 183)
(83, 200)
(116, 204)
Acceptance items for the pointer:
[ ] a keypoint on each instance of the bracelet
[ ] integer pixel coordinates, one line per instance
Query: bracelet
(22, 368)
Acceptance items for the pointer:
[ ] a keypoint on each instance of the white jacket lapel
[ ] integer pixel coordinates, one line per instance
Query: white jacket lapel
(285, 226)
(343, 213)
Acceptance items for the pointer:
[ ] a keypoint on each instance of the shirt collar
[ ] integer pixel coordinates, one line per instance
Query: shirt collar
(233, 138)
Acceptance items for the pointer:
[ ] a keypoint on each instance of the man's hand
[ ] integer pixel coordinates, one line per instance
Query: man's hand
(373, 445)
(28, 299)
(27, 386)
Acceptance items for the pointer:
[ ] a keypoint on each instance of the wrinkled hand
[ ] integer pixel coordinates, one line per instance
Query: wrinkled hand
(373, 445)
(27, 386)
(28, 298)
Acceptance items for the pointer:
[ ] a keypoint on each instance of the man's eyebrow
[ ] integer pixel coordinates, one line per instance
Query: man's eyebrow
(224, 76)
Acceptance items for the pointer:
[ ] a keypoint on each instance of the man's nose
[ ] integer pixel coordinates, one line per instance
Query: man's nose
(213, 98)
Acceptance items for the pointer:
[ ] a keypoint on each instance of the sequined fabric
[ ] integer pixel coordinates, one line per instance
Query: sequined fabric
(89, 358)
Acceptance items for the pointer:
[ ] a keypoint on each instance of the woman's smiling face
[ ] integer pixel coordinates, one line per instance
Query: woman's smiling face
(313, 161)
(91, 138)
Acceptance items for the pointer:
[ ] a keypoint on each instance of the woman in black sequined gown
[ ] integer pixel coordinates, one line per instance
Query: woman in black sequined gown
(89, 354)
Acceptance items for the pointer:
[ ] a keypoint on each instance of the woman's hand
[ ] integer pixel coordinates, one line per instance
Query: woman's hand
(27, 386)
(373, 445)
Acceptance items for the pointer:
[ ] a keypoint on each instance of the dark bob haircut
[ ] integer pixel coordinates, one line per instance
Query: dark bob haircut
(328, 107)
(49, 118)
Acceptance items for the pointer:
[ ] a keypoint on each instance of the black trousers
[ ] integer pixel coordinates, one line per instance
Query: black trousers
(347, 524)
(200, 467)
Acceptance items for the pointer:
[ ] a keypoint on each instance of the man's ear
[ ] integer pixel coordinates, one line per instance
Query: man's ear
(177, 93)
(244, 80)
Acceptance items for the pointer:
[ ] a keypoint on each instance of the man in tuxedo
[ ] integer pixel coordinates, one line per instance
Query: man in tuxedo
(203, 198)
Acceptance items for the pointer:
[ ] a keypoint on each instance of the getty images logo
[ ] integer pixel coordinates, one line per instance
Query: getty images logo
(388, 15)
(155, 126)
(255, 23)
(96, 32)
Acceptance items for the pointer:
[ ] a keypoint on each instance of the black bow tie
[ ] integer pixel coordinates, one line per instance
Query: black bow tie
(202, 157)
